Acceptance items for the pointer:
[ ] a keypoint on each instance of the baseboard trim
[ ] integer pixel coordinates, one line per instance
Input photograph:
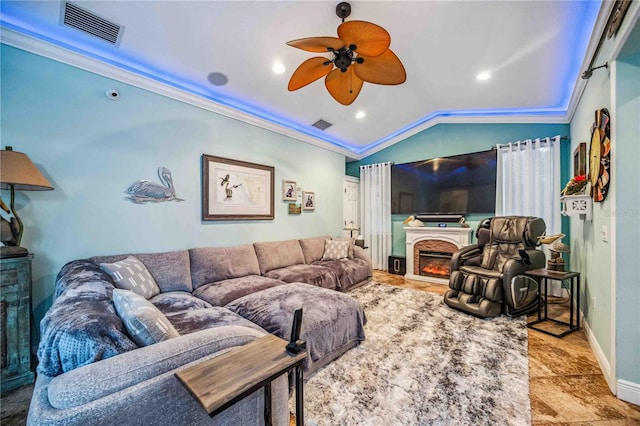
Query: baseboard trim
(629, 391)
(605, 367)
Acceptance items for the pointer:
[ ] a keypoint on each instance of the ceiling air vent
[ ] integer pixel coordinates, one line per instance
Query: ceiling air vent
(322, 125)
(91, 23)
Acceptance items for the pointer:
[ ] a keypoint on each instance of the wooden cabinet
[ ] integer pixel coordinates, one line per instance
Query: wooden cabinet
(15, 322)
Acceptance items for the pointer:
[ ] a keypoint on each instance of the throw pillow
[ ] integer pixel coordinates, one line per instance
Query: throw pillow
(131, 274)
(351, 244)
(144, 322)
(336, 249)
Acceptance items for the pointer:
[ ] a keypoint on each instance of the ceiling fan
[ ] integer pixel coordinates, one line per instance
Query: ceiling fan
(360, 53)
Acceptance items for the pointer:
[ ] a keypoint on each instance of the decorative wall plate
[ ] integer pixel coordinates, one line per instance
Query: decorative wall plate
(599, 156)
(594, 157)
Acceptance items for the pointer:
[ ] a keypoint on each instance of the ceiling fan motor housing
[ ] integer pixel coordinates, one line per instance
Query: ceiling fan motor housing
(343, 10)
(343, 59)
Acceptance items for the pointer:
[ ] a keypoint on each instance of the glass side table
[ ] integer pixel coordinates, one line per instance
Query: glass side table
(574, 288)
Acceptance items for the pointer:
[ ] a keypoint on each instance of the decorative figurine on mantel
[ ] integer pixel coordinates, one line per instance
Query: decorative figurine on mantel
(412, 221)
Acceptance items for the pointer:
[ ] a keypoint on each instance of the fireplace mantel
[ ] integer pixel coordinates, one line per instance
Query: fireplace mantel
(459, 237)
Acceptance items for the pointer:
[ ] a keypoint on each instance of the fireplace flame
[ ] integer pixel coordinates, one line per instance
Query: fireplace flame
(435, 270)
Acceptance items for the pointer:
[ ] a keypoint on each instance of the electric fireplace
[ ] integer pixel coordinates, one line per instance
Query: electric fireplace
(429, 250)
(434, 263)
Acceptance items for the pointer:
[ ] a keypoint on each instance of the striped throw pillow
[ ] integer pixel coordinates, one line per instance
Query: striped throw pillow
(131, 274)
(144, 322)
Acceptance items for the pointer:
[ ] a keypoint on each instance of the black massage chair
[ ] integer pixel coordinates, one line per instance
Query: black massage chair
(487, 278)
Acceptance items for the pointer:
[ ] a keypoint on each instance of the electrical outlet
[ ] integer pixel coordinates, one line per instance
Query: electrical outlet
(593, 303)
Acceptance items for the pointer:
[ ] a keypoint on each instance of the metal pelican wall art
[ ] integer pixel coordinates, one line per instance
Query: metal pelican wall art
(145, 191)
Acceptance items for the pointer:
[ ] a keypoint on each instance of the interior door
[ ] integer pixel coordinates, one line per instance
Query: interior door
(351, 207)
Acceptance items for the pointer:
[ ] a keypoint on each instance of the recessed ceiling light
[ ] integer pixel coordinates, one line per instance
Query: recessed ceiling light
(483, 76)
(360, 114)
(278, 68)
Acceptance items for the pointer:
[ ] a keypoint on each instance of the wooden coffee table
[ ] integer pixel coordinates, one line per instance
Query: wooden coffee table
(222, 381)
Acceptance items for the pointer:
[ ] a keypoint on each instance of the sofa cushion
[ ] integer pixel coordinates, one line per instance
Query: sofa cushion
(192, 320)
(331, 320)
(131, 274)
(350, 272)
(171, 270)
(310, 274)
(313, 248)
(176, 301)
(278, 254)
(144, 322)
(82, 326)
(336, 249)
(210, 264)
(222, 292)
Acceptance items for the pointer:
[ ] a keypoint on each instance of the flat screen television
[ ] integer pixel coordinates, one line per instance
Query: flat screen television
(460, 184)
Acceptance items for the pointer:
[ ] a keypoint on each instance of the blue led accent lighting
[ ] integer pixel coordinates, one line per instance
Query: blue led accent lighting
(574, 47)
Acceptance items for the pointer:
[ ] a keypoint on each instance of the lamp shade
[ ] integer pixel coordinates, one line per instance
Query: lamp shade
(17, 169)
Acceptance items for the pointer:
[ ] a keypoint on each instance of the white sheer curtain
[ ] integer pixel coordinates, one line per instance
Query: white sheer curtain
(528, 180)
(375, 205)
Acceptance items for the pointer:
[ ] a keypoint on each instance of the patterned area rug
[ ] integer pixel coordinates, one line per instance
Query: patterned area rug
(424, 364)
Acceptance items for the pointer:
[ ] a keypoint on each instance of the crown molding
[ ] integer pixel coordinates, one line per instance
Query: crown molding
(89, 63)
(57, 53)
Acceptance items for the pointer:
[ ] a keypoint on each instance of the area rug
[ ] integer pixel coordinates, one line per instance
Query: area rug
(423, 363)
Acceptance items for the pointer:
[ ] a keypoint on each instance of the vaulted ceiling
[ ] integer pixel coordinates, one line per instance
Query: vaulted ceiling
(219, 55)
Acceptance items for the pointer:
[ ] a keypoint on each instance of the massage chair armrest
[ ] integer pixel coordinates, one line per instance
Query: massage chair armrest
(462, 255)
(516, 266)
(91, 382)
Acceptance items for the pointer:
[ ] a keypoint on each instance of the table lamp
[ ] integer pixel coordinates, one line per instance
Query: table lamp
(351, 227)
(16, 172)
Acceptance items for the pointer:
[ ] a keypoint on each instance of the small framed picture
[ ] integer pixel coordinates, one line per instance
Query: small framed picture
(289, 190)
(308, 200)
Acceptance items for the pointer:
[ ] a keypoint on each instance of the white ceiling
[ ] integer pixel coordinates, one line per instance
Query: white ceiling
(535, 50)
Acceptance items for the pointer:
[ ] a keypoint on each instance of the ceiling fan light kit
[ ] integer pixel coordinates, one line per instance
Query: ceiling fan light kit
(360, 53)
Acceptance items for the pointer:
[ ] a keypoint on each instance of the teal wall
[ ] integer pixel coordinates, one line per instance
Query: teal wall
(451, 139)
(627, 214)
(91, 149)
(590, 255)
(610, 270)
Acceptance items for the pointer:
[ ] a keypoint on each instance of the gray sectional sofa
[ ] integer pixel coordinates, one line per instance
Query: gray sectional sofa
(92, 371)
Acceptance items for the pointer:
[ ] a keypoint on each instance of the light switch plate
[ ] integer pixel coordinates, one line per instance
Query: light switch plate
(604, 232)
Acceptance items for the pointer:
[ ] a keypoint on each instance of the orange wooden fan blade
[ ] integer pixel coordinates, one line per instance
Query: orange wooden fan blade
(369, 39)
(343, 86)
(317, 44)
(309, 71)
(383, 69)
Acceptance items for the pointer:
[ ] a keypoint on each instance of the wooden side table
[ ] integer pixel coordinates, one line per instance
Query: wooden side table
(546, 275)
(222, 381)
(15, 322)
